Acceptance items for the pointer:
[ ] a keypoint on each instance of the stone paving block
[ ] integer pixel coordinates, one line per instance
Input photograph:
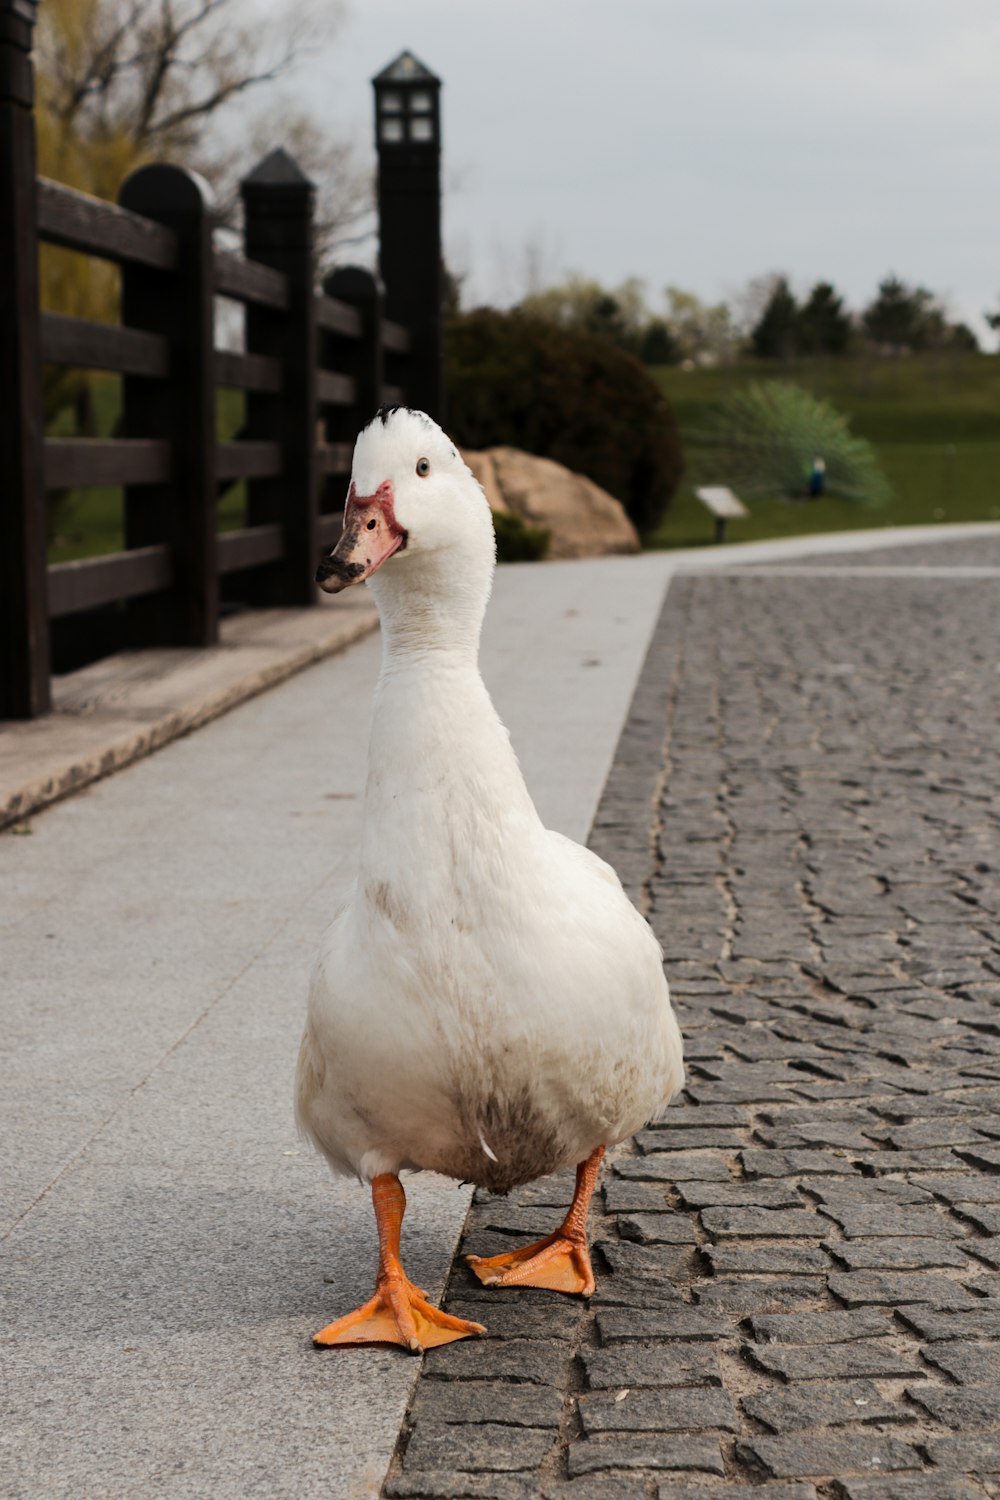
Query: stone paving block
(940, 1133)
(818, 1404)
(809, 1116)
(632, 1292)
(532, 1360)
(761, 1223)
(712, 1138)
(887, 1289)
(987, 1250)
(794, 1491)
(530, 1221)
(595, 1487)
(681, 1164)
(969, 1364)
(682, 1322)
(964, 1187)
(676, 1410)
(811, 1136)
(646, 1197)
(975, 1453)
(794, 1163)
(874, 1359)
(517, 1315)
(659, 1167)
(628, 1258)
(650, 1365)
(974, 1408)
(820, 1327)
(817, 1454)
(932, 1325)
(981, 1217)
(738, 1195)
(909, 1487)
(760, 1258)
(485, 1446)
(867, 1220)
(901, 1254)
(443, 1401)
(837, 1192)
(448, 1484)
(986, 1158)
(879, 1162)
(701, 1117)
(656, 1229)
(762, 1092)
(679, 1454)
(759, 1294)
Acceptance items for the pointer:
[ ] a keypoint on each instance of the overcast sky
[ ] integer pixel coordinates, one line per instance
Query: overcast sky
(702, 142)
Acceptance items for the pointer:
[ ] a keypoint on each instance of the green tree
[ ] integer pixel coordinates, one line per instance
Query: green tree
(658, 345)
(823, 326)
(701, 330)
(901, 316)
(775, 334)
(618, 314)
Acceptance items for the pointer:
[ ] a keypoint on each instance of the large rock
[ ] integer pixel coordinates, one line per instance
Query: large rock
(584, 520)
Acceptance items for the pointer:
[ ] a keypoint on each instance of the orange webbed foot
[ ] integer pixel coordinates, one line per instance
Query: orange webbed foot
(561, 1261)
(556, 1263)
(398, 1314)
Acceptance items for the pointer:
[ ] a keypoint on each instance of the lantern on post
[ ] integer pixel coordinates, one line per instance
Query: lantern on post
(408, 140)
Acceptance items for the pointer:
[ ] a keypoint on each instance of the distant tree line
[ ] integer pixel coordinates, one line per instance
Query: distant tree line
(899, 318)
(772, 323)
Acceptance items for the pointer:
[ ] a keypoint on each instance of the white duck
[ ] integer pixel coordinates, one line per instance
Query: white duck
(487, 1003)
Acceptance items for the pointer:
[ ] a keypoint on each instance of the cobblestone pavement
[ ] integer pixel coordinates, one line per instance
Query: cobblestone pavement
(798, 1285)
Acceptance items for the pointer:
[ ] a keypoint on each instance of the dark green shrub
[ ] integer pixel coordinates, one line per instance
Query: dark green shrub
(517, 541)
(563, 394)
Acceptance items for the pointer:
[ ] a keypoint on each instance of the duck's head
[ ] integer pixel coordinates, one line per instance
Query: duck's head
(411, 497)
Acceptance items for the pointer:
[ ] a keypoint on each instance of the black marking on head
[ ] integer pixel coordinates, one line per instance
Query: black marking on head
(385, 412)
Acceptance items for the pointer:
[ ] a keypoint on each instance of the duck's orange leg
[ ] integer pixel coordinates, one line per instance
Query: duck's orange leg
(560, 1262)
(399, 1312)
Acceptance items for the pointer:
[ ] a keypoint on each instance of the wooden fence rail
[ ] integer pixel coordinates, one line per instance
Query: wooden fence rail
(316, 364)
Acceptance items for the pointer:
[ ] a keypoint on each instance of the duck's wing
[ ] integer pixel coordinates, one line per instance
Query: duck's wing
(584, 859)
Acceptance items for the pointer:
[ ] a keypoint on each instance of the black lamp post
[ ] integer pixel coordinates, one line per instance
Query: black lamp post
(408, 138)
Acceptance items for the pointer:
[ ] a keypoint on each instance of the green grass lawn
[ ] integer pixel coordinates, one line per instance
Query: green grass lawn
(933, 420)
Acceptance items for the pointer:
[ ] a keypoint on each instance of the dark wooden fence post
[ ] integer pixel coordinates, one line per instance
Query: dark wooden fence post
(24, 620)
(278, 204)
(362, 358)
(181, 408)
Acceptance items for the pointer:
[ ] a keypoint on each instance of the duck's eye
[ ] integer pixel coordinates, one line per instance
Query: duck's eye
(371, 525)
(423, 467)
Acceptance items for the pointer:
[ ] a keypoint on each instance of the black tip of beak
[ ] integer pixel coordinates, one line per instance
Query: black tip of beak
(333, 567)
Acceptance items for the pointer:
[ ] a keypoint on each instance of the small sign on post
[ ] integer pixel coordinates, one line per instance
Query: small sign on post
(724, 506)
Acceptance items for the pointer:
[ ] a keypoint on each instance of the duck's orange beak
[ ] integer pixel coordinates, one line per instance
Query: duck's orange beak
(371, 535)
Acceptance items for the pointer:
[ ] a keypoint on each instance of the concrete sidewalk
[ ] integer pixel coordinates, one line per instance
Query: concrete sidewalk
(170, 1245)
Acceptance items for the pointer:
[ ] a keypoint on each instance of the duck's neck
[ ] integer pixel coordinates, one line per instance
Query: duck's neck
(432, 609)
(440, 760)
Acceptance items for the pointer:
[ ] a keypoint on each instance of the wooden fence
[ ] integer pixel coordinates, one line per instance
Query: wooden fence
(316, 364)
